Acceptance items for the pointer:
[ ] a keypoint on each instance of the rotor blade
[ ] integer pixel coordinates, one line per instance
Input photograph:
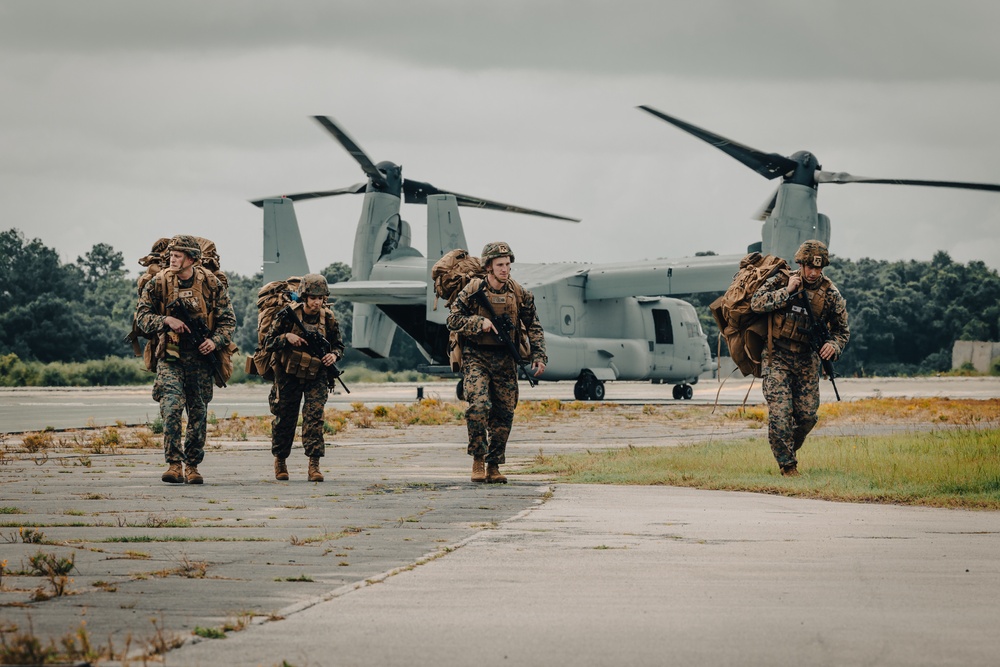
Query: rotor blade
(766, 208)
(352, 147)
(843, 177)
(768, 165)
(416, 193)
(355, 189)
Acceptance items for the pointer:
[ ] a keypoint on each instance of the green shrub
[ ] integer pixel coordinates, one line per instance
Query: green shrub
(107, 372)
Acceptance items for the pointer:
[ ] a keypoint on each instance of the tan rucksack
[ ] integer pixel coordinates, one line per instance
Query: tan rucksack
(744, 330)
(271, 298)
(453, 272)
(157, 260)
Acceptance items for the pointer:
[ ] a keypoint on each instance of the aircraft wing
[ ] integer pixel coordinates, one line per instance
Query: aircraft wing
(661, 277)
(382, 292)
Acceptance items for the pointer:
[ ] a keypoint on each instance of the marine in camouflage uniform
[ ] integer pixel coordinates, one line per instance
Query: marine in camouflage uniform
(184, 370)
(299, 377)
(489, 374)
(791, 368)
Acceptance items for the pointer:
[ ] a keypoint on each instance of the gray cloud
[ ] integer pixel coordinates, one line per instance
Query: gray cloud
(124, 121)
(766, 39)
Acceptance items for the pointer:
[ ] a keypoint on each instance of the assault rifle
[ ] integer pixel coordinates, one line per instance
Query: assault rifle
(505, 326)
(818, 334)
(198, 333)
(317, 345)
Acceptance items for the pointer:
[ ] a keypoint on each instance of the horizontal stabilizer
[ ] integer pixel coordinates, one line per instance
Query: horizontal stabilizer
(382, 292)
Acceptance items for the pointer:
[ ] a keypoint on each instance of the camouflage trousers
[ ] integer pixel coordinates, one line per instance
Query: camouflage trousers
(186, 383)
(489, 380)
(791, 387)
(286, 395)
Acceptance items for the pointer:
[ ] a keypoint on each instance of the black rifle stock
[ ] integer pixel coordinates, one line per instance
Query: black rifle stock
(198, 334)
(818, 335)
(504, 325)
(317, 345)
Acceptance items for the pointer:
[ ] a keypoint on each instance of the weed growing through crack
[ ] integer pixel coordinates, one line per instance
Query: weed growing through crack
(54, 568)
(32, 443)
(208, 633)
(30, 535)
(25, 648)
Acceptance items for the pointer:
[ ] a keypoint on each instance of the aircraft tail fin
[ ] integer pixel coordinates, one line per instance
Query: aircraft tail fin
(284, 253)
(444, 227)
(444, 233)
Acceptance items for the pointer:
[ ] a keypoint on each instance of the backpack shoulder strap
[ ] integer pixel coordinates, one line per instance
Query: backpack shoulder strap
(476, 283)
(518, 291)
(168, 287)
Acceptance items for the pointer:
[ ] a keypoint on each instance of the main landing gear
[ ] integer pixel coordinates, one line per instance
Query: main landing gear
(588, 388)
(683, 392)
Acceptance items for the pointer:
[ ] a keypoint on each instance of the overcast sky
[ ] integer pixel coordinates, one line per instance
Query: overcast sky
(122, 121)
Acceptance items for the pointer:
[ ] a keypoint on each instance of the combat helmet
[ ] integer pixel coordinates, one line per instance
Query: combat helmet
(813, 253)
(314, 284)
(495, 249)
(185, 244)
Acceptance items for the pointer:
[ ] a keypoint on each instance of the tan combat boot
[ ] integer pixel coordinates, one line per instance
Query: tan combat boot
(790, 471)
(314, 474)
(193, 477)
(478, 469)
(174, 474)
(493, 475)
(280, 470)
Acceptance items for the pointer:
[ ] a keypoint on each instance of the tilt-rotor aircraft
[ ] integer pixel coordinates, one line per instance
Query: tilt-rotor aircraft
(602, 322)
(790, 215)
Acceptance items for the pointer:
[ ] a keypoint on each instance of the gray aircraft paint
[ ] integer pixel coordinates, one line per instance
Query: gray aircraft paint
(284, 254)
(609, 336)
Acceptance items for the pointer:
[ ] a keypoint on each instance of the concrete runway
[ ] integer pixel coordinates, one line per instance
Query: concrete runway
(28, 408)
(398, 559)
(660, 576)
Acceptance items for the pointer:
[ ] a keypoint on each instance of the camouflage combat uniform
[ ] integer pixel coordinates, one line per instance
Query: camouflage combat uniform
(184, 376)
(791, 369)
(488, 371)
(289, 391)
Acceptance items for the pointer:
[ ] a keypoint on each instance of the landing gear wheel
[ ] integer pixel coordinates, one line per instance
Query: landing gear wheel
(460, 391)
(597, 391)
(677, 392)
(688, 392)
(588, 387)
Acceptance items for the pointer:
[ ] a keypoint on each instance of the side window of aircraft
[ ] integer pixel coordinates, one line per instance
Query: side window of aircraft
(662, 327)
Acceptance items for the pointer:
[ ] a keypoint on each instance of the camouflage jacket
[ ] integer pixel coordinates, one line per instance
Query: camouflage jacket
(772, 296)
(275, 341)
(466, 320)
(151, 311)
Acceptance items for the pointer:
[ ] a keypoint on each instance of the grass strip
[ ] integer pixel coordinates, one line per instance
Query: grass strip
(957, 468)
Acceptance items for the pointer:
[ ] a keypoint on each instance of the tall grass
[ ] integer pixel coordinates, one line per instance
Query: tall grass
(944, 468)
(110, 371)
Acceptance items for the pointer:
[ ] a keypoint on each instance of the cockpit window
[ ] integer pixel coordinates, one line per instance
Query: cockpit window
(663, 329)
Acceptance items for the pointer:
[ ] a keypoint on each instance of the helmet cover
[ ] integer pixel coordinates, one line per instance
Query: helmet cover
(813, 253)
(313, 284)
(185, 244)
(495, 249)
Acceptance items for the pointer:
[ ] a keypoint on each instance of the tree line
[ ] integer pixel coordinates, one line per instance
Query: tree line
(904, 315)
(79, 312)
